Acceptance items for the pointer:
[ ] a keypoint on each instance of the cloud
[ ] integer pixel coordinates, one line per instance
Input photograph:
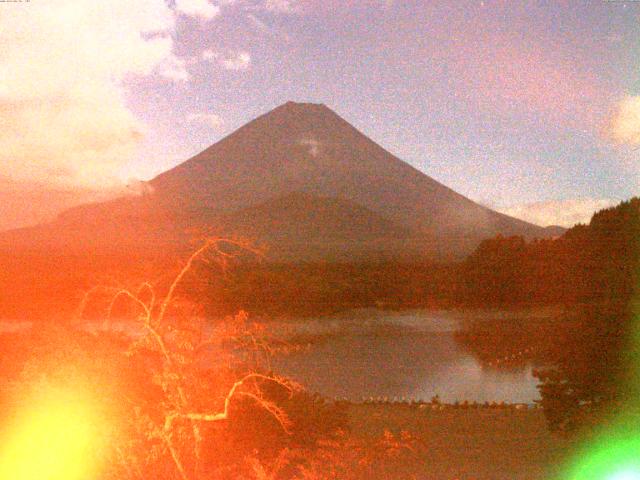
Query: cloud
(63, 71)
(238, 61)
(26, 203)
(282, 6)
(175, 69)
(138, 188)
(624, 125)
(259, 24)
(565, 213)
(212, 120)
(209, 55)
(313, 144)
(197, 8)
(233, 61)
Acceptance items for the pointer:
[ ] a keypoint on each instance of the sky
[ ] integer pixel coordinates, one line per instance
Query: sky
(532, 108)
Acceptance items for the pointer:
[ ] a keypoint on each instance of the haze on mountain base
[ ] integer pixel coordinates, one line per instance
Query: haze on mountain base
(29, 203)
(299, 179)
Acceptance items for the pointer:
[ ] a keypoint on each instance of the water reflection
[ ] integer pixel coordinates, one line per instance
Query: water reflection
(381, 354)
(374, 353)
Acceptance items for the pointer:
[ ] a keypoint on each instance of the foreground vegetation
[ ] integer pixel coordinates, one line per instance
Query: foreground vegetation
(274, 432)
(180, 399)
(194, 400)
(458, 443)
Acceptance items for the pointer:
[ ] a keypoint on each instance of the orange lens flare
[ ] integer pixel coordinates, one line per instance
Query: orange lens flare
(59, 436)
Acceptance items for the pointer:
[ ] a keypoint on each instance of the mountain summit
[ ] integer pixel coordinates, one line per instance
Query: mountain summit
(304, 181)
(303, 147)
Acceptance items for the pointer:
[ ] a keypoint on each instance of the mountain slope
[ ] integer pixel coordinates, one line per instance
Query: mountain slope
(298, 175)
(299, 180)
(301, 226)
(309, 148)
(301, 216)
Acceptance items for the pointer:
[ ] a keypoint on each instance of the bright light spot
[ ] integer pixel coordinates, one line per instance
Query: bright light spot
(631, 474)
(614, 456)
(626, 475)
(58, 437)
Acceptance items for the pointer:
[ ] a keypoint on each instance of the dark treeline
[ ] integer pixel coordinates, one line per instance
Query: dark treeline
(588, 264)
(590, 353)
(594, 369)
(308, 289)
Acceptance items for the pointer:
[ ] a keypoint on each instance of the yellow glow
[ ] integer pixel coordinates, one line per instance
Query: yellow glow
(58, 437)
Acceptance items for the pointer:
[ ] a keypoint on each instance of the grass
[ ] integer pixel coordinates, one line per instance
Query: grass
(465, 444)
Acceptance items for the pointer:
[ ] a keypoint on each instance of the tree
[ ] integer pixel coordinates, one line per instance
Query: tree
(196, 375)
(494, 273)
(593, 372)
(589, 378)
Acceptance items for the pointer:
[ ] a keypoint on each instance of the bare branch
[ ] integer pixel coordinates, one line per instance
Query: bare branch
(218, 416)
(147, 286)
(126, 293)
(208, 244)
(175, 456)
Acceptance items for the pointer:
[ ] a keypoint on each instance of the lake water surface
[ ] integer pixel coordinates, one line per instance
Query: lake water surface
(374, 353)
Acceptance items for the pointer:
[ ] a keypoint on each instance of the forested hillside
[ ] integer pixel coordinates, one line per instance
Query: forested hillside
(589, 263)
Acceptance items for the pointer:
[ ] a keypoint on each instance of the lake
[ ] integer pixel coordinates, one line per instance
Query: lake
(375, 353)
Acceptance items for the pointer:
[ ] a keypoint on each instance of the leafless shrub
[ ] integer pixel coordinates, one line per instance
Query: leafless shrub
(196, 369)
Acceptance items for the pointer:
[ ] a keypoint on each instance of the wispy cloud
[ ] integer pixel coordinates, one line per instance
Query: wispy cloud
(237, 61)
(138, 188)
(212, 120)
(198, 8)
(260, 24)
(565, 213)
(230, 61)
(313, 144)
(209, 55)
(624, 125)
(175, 69)
(283, 6)
(263, 27)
